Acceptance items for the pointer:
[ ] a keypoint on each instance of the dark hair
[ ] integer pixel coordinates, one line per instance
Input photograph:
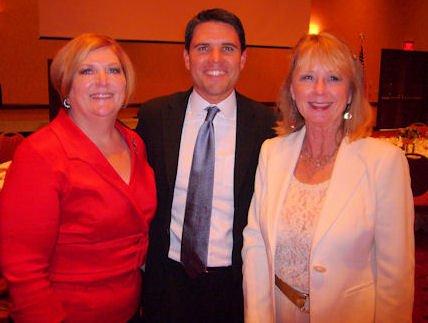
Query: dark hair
(217, 15)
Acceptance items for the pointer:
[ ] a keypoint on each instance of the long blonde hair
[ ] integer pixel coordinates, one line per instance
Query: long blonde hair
(328, 50)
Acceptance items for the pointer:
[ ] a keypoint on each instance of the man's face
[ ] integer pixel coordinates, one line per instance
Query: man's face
(214, 60)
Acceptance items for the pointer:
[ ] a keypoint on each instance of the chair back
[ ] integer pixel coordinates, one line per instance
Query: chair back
(9, 141)
(418, 166)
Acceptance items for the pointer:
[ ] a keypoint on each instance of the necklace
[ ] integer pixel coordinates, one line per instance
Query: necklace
(316, 162)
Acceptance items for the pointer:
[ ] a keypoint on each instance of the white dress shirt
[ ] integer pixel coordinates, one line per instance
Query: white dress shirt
(221, 239)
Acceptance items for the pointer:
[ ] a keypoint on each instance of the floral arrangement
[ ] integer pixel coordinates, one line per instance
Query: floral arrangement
(409, 133)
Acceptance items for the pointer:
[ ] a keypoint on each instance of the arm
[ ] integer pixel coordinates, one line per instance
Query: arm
(258, 305)
(394, 240)
(29, 208)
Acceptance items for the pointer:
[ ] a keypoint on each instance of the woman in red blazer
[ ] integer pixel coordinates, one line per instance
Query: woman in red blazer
(79, 197)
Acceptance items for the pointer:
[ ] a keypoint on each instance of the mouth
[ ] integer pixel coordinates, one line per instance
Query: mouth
(215, 72)
(101, 96)
(320, 105)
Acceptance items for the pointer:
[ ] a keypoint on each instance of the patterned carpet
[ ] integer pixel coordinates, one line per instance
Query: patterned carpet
(420, 309)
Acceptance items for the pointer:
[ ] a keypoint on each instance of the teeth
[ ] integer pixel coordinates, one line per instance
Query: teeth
(215, 72)
(101, 95)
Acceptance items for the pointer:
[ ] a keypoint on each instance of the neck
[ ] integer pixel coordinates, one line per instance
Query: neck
(321, 142)
(100, 131)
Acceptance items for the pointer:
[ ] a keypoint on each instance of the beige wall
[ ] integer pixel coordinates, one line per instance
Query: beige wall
(385, 24)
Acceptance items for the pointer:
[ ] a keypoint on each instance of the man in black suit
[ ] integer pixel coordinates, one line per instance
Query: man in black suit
(215, 54)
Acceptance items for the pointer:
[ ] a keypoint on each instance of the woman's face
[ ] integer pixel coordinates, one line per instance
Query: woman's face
(321, 95)
(98, 86)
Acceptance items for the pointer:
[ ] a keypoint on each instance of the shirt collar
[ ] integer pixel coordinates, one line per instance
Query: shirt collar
(197, 104)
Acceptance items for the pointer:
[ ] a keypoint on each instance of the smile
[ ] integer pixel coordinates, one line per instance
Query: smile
(215, 72)
(101, 96)
(320, 105)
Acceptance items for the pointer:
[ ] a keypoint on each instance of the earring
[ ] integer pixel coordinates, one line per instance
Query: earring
(347, 115)
(66, 103)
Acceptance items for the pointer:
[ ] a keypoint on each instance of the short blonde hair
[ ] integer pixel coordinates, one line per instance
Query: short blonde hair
(66, 62)
(328, 50)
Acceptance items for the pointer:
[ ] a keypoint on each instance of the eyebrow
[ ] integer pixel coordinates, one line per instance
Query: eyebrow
(222, 44)
(93, 64)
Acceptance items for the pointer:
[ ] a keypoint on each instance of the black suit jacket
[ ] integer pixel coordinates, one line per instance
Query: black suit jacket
(160, 125)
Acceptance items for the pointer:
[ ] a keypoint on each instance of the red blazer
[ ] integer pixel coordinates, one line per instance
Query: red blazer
(73, 234)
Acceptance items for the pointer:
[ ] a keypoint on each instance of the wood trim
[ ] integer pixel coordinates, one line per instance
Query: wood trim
(168, 42)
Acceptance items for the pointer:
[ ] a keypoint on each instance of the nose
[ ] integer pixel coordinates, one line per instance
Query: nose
(319, 85)
(215, 55)
(102, 77)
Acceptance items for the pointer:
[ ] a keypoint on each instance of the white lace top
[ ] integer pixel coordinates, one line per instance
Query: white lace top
(295, 231)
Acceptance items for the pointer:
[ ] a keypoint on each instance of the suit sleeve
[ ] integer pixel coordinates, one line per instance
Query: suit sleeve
(394, 240)
(29, 222)
(258, 305)
(140, 125)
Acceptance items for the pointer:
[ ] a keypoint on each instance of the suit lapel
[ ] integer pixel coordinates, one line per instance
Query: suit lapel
(347, 174)
(245, 140)
(173, 117)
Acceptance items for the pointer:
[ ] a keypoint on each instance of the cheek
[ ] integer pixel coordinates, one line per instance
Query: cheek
(78, 87)
(120, 84)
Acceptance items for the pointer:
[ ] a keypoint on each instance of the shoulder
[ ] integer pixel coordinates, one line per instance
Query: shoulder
(372, 148)
(166, 100)
(378, 156)
(44, 145)
(257, 107)
(282, 141)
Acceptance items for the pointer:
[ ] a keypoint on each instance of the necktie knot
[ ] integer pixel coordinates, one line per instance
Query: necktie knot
(211, 113)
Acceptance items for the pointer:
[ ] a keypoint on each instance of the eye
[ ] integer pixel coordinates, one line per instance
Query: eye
(306, 77)
(86, 71)
(335, 78)
(202, 48)
(114, 70)
(228, 48)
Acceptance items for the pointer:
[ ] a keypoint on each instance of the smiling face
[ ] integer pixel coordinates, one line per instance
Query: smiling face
(321, 94)
(214, 60)
(98, 86)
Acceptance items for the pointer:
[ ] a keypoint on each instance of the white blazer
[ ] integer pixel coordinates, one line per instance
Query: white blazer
(362, 256)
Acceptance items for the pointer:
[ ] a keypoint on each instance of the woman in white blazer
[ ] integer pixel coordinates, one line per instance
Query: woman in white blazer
(330, 228)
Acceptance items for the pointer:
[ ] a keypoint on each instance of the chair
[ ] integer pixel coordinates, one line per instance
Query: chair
(418, 166)
(4, 301)
(9, 141)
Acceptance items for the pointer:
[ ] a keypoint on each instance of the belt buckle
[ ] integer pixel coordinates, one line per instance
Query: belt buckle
(304, 308)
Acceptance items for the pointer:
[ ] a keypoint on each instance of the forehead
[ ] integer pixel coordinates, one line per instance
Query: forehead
(213, 32)
(103, 54)
(329, 61)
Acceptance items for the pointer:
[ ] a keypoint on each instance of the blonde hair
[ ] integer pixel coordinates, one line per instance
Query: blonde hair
(66, 62)
(328, 50)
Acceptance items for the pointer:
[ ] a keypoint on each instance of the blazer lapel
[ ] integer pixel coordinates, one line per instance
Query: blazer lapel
(79, 147)
(281, 172)
(173, 117)
(345, 178)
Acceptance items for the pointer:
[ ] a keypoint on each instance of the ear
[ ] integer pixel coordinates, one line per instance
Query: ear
(243, 59)
(186, 59)
(292, 92)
